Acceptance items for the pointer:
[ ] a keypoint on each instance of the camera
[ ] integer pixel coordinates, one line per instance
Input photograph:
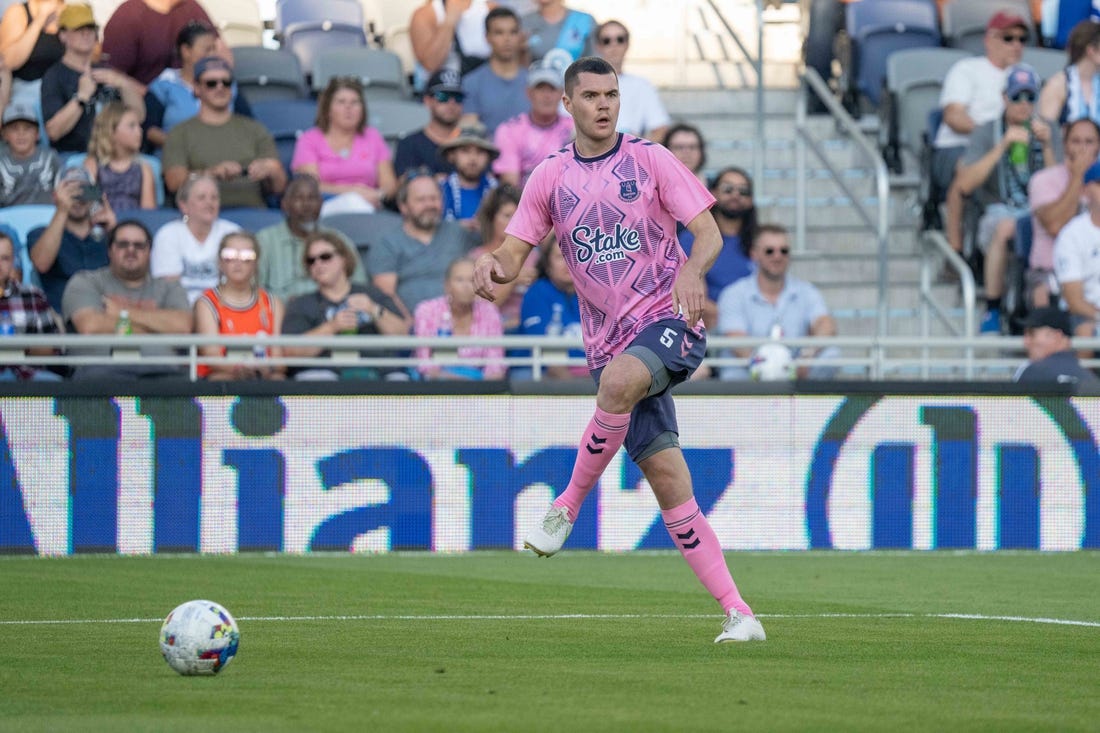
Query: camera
(90, 193)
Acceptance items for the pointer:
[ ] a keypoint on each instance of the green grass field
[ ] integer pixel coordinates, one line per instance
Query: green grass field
(583, 641)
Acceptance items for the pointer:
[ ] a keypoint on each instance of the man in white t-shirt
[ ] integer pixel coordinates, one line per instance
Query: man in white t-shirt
(1077, 259)
(642, 113)
(971, 97)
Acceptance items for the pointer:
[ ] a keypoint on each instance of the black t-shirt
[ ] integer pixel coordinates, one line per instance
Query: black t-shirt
(74, 254)
(308, 311)
(59, 84)
(417, 150)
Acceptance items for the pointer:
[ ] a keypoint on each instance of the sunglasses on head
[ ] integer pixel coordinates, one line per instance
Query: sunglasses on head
(138, 244)
(608, 40)
(1023, 97)
(781, 250)
(323, 257)
(238, 255)
(215, 83)
(729, 188)
(1014, 38)
(444, 97)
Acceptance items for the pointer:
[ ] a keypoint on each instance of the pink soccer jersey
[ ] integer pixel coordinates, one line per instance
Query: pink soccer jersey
(614, 217)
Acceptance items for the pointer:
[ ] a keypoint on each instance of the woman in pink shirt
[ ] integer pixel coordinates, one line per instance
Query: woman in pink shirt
(458, 312)
(343, 153)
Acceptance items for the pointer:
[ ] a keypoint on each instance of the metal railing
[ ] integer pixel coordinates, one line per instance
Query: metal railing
(857, 358)
(934, 248)
(879, 221)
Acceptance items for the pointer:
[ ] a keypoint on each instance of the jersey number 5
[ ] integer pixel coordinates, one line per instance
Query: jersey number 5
(668, 338)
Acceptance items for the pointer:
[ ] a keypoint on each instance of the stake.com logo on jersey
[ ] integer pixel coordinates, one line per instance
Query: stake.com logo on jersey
(596, 246)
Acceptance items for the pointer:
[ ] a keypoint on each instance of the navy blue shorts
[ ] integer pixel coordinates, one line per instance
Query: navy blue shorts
(672, 352)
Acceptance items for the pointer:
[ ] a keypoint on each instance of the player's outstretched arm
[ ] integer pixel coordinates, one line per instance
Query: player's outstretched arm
(500, 266)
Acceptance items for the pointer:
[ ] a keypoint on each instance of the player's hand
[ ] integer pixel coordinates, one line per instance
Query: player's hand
(689, 294)
(484, 269)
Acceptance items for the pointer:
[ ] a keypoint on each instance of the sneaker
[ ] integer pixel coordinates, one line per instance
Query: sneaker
(547, 538)
(739, 627)
(991, 324)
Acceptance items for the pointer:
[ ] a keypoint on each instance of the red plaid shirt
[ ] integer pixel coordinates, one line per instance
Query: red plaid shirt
(30, 313)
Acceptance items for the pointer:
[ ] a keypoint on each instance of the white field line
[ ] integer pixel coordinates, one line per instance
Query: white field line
(569, 616)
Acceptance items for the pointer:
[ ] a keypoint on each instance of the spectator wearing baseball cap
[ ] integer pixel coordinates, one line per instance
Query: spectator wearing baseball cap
(27, 169)
(1000, 159)
(443, 96)
(1077, 259)
(235, 150)
(527, 138)
(970, 97)
(1052, 361)
(74, 88)
(496, 91)
(471, 153)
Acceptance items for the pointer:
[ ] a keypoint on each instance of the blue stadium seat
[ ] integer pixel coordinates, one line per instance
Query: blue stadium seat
(286, 120)
(76, 160)
(18, 222)
(878, 28)
(268, 74)
(153, 219)
(252, 219)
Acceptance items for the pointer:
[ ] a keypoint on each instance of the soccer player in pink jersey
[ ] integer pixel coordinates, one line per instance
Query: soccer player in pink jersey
(613, 202)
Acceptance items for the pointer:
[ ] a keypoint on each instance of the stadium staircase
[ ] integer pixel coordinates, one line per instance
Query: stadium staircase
(708, 79)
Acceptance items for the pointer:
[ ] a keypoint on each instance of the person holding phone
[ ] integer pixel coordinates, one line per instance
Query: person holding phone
(74, 240)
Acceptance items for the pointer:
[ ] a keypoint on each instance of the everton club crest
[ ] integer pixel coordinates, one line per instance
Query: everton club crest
(628, 190)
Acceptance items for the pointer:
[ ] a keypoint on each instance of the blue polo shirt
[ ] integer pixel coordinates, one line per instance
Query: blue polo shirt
(742, 308)
(732, 263)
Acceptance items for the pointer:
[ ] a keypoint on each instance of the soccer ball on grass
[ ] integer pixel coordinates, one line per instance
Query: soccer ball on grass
(199, 637)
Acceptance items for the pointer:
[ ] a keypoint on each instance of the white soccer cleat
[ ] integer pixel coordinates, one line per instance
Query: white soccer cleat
(547, 538)
(740, 627)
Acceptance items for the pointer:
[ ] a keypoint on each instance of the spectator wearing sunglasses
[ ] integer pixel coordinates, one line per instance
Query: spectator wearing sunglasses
(338, 306)
(236, 306)
(998, 164)
(770, 298)
(497, 90)
(641, 112)
(94, 299)
(970, 97)
(349, 158)
(735, 213)
(173, 97)
(444, 99)
(237, 151)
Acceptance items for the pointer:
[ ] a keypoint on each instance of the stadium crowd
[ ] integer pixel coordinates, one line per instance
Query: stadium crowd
(144, 127)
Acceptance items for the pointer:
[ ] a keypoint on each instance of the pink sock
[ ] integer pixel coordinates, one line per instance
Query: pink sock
(602, 439)
(696, 541)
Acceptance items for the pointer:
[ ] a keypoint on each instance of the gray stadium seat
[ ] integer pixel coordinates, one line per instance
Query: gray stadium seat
(964, 21)
(268, 74)
(914, 78)
(379, 71)
(396, 118)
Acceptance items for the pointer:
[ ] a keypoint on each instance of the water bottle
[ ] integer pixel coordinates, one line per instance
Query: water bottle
(446, 326)
(123, 327)
(7, 325)
(1018, 152)
(259, 351)
(556, 325)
